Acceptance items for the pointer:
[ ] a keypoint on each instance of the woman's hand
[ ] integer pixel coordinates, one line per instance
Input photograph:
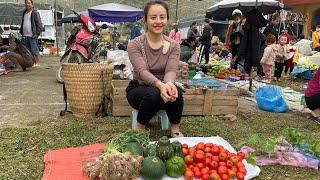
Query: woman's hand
(164, 91)
(168, 91)
(173, 91)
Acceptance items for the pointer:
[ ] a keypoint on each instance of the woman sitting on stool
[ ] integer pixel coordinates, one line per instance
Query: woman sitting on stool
(155, 59)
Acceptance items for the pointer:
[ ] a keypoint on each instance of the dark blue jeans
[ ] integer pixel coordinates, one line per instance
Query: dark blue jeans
(32, 44)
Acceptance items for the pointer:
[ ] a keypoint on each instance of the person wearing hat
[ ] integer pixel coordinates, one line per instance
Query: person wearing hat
(234, 35)
(316, 39)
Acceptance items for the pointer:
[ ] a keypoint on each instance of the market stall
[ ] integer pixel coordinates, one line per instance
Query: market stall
(131, 155)
(309, 9)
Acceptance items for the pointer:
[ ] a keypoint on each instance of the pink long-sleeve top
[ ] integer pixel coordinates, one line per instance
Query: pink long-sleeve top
(161, 67)
(176, 36)
(269, 55)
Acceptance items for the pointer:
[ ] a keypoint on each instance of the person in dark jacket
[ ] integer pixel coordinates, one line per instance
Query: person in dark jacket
(251, 41)
(31, 28)
(205, 41)
(272, 27)
(186, 48)
(234, 34)
(193, 31)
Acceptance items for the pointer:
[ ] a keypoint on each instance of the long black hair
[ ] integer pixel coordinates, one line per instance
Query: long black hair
(152, 3)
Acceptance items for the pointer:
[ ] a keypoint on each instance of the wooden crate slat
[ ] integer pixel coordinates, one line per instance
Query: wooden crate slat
(191, 113)
(193, 92)
(227, 102)
(218, 97)
(218, 110)
(119, 91)
(193, 108)
(193, 99)
(207, 103)
(120, 83)
(227, 92)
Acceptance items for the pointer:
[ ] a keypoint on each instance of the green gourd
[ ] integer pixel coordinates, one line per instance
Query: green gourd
(164, 148)
(175, 166)
(150, 150)
(152, 168)
(177, 148)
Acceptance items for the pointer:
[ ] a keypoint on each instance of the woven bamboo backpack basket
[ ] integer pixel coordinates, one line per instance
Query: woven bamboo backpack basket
(85, 84)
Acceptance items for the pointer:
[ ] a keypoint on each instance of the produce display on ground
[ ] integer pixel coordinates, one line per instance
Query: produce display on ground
(207, 83)
(220, 73)
(129, 155)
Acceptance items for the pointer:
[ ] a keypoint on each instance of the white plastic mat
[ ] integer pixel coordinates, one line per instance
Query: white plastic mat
(252, 171)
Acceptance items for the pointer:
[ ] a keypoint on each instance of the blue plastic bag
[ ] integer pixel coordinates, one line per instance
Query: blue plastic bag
(269, 98)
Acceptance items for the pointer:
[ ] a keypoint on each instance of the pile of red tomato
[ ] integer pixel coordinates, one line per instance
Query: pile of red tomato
(212, 162)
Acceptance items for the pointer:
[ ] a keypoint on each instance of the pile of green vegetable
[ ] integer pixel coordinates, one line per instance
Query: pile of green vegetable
(122, 158)
(128, 155)
(163, 158)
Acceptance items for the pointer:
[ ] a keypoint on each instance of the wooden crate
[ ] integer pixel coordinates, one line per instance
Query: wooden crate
(193, 102)
(221, 102)
(196, 101)
(119, 103)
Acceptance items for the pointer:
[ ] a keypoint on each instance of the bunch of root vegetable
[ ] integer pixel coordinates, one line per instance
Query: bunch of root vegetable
(114, 166)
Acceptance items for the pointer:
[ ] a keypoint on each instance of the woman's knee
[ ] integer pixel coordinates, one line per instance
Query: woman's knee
(153, 95)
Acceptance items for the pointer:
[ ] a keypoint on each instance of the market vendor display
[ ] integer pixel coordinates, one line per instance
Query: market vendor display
(312, 94)
(130, 155)
(155, 59)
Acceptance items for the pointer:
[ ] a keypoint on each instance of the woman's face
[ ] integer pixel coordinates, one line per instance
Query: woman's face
(156, 19)
(237, 18)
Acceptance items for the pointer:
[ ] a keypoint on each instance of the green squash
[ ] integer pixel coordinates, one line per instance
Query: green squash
(134, 148)
(177, 148)
(150, 150)
(152, 168)
(175, 166)
(164, 148)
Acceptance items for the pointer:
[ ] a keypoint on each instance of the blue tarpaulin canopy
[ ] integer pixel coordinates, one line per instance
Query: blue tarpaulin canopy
(114, 12)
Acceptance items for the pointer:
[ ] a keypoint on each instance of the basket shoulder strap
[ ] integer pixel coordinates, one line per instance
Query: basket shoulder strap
(143, 51)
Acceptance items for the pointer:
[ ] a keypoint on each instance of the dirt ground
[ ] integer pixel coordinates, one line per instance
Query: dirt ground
(30, 95)
(34, 95)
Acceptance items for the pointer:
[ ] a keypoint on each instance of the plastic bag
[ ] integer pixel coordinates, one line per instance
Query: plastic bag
(269, 98)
